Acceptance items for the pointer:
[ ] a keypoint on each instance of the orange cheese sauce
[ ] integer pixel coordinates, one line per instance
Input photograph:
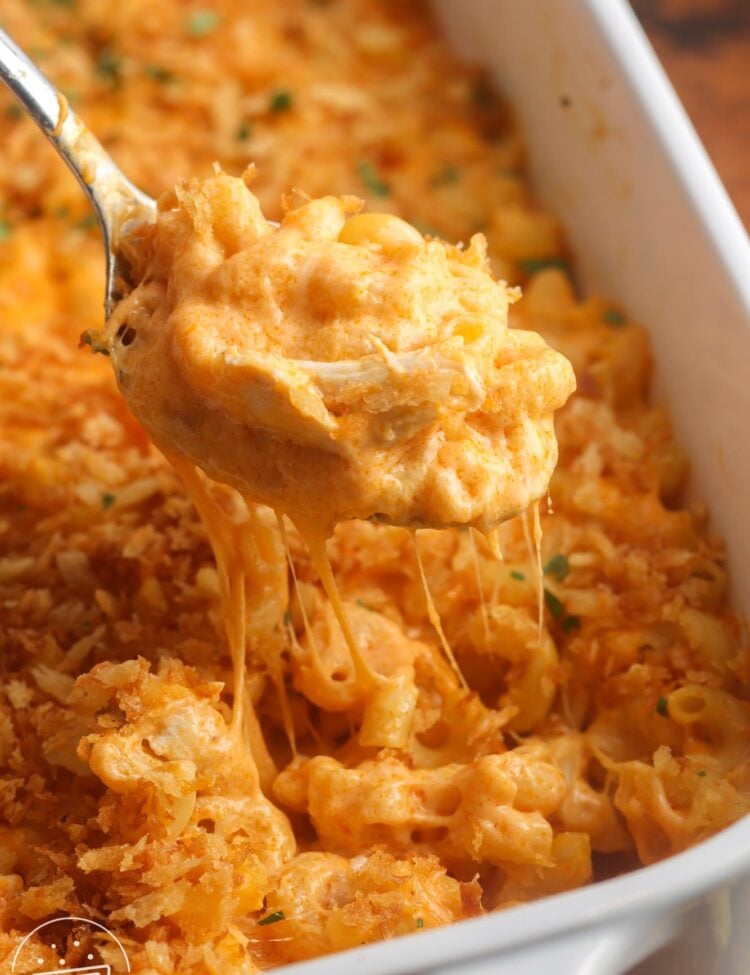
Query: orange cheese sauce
(339, 366)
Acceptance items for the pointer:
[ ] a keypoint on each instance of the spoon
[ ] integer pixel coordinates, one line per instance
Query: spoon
(119, 205)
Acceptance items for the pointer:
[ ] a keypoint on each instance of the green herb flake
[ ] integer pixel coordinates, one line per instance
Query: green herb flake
(281, 101)
(14, 111)
(157, 73)
(108, 500)
(702, 773)
(515, 574)
(363, 604)
(61, 213)
(271, 918)
(662, 707)
(85, 223)
(369, 176)
(447, 175)
(243, 132)
(558, 567)
(420, 922)
(4, 230)
(533, 265)
(554, 605)
(201, 23)
(570, 622)
(64, 3)
(614, 317)
(108, 65)
(88, 338)
(566, 620)
(287, 618)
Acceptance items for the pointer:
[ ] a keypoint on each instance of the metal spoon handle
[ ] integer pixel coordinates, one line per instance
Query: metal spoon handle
(115, 199)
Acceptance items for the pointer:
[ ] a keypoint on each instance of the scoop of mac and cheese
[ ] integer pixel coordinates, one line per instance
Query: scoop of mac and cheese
(337, 366)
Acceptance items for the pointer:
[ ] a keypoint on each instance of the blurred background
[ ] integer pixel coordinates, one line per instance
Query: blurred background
(705, 47)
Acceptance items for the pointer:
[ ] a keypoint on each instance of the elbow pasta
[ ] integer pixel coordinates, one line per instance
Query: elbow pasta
(229, 798)
(493, 809)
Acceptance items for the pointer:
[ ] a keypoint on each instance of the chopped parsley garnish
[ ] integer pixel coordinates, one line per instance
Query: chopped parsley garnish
(271, 918)
(243, 132)
(4, 230)
(109, 65)
(570, 622)
(447, 175)
(515, 574)
(14, 111)
(614, 317)
(702, 773)
(287, 618)
(363, 604)
(420, 922)
(88, 339)
(202, 23)
(557, 610)
(532, 265)
(281, 101)
(554, 605)
(108, 500)
(157, 73)
(369, 176)
(662, 708)
(86, 223)
(558, 567)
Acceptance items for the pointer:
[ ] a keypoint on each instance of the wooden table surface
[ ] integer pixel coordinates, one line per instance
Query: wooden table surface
(705, 47)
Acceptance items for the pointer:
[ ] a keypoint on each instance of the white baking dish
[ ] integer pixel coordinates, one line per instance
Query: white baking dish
(651, 225)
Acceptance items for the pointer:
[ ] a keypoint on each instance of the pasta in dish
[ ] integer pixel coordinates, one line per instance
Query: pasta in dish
(229, 793)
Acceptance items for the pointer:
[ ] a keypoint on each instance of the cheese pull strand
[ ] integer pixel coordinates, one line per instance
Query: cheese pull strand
(434, 618)
(219, 528)
(537, 531)
(492, 537)
(480, 587)
(316, 545)
(534, 549)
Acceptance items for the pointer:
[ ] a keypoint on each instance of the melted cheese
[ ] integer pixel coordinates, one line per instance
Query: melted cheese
(480, 587)
(237, 563)
(434, 618)
(220, 528)
(338, 366)
(538, 571)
